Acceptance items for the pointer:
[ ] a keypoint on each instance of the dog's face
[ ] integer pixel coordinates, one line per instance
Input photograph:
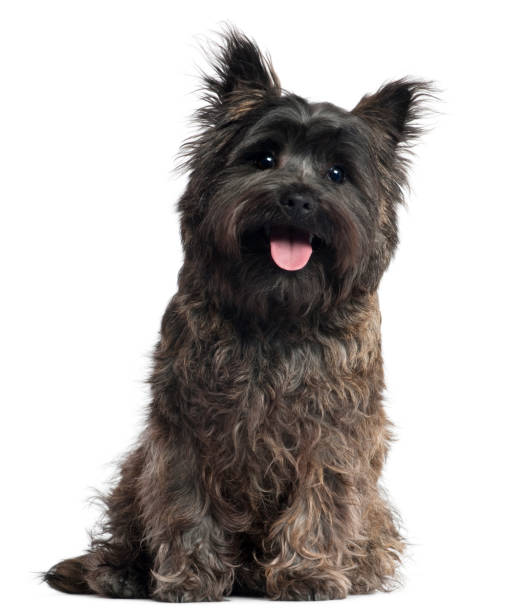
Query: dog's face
(291, 205)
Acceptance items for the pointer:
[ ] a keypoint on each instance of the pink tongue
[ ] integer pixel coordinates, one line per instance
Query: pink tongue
(290, 248)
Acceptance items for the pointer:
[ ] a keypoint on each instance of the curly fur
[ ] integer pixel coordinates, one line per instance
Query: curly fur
(258, 468)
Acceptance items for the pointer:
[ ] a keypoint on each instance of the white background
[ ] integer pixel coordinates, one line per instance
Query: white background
(95, 99)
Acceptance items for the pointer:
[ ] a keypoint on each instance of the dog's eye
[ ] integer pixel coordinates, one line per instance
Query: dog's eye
(336, 174)
(265, 161)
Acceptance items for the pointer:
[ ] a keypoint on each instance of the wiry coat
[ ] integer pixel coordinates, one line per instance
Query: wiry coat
(258, 468)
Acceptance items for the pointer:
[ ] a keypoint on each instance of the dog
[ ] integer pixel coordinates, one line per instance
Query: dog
(257, 472)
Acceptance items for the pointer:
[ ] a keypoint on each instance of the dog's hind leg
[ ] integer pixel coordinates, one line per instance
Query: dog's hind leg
(116, 564)
(69, 576)
(92, 574)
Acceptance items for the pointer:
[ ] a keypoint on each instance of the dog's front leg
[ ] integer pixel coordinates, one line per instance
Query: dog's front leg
(193, 564)
(305, 554)
(193, 557)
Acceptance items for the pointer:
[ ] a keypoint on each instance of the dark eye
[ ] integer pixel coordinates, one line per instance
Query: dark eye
(265, 161)
(336, 174)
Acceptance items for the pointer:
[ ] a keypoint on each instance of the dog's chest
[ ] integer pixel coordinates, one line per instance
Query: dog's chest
(276, 411)
(266, 404)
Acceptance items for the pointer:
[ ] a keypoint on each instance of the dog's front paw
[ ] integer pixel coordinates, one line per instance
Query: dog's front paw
(176, 594)
(313, 588)
(190, 587)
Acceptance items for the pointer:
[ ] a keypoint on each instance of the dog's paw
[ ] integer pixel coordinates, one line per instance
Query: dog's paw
(124, 583)
(313, 589)
(191, 586)
(175, 594)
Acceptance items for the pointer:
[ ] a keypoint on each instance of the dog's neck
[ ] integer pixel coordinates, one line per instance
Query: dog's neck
(332, 306)
(347, 319)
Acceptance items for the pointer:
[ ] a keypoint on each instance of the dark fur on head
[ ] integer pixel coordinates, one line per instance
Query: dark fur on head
(247, 114)
(258, 468)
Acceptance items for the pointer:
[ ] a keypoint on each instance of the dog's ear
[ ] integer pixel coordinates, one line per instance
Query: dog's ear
(392, 116)
(238, 68)
(394, 110)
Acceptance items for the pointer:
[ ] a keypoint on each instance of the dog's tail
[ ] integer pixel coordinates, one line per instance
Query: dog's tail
(69, 576)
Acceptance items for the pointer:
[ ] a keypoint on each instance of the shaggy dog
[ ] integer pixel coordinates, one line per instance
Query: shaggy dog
(258, 468)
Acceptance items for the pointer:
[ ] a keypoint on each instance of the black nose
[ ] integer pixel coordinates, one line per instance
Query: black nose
(298, 204)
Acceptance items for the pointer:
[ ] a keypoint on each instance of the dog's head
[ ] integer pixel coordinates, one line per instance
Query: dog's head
(291, 205)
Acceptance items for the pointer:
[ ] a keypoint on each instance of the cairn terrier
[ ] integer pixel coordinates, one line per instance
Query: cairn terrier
(257, 472)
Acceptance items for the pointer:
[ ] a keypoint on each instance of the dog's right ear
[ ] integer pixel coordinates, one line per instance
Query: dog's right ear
(239, 68)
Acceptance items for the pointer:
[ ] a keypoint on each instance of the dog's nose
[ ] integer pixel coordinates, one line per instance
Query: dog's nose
(298, 204)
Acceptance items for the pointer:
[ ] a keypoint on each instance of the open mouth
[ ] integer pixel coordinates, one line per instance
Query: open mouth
(290, 247)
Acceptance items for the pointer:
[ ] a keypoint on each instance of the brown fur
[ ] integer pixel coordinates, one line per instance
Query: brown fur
(258, 468)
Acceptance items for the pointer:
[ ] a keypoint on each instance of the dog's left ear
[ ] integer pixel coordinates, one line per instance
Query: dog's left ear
(393, 111)
(392, 117)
